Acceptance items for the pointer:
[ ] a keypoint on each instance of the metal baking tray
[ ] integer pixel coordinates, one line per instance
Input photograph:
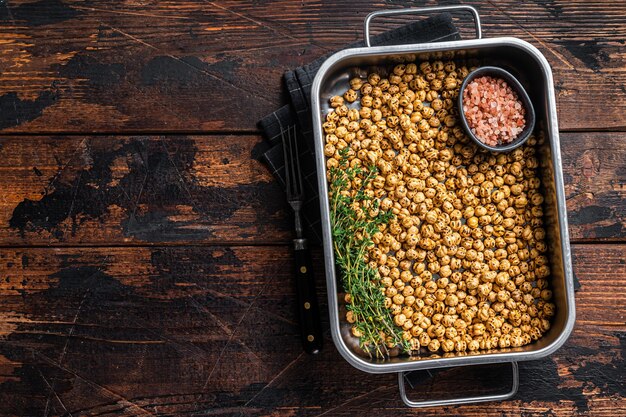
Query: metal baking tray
(532, 69)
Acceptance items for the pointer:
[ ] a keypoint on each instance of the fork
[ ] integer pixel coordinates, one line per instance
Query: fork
(310, 327)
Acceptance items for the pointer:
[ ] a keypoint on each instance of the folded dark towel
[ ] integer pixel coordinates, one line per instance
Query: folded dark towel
(298, 82)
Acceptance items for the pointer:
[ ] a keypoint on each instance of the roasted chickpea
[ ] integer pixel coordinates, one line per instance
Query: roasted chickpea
(466, 246)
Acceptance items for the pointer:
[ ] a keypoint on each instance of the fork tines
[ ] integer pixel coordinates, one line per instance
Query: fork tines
(293, 175)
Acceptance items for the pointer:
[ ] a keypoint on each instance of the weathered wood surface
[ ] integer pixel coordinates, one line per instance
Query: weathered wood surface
(197, 331)
(149, 275)
(594, 172)
(211, 189)
(197, 66)
(112, 190)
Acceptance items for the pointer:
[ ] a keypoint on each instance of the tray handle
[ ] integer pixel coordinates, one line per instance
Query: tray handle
(422, 10)
(457, 401)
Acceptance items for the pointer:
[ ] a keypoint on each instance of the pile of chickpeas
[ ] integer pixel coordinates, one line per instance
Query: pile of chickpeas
(463, 263)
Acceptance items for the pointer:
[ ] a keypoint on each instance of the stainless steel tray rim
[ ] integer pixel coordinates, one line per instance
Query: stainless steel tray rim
(486, 358)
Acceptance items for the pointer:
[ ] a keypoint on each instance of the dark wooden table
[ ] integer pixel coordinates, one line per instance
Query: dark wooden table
(145, 265)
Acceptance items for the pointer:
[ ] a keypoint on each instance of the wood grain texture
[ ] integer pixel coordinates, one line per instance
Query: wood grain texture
(594, 172)
(150, 275)
(123, 190)
(198, 66)
(211, 189)
(197, 331)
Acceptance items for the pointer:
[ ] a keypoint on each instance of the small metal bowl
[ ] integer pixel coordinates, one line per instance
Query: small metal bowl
(521, 93)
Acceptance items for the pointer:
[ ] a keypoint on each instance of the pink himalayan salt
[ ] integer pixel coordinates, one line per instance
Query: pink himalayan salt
(494, 113)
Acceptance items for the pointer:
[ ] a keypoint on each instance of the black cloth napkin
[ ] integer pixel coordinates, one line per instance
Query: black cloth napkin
(298, 83)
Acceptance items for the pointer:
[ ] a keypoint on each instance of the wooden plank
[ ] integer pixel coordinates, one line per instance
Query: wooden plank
(196, 66)
(122, 190)
(176, 331)
(594, 172)
(100, 190)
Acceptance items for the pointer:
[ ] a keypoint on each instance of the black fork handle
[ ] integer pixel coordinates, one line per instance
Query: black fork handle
(310, 326)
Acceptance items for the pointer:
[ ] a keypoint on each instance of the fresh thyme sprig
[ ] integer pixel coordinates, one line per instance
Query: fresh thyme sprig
(355, 218)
